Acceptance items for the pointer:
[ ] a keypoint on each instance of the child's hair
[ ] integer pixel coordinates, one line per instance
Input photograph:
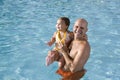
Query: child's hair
(66, 19)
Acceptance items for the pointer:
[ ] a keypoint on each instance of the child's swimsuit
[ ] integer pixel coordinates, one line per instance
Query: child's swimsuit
(59, 39)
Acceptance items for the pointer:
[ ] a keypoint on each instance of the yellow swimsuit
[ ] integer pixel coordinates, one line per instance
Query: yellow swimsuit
(59, 39)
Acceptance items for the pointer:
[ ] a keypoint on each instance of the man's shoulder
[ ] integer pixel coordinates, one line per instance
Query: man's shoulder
(83, 42)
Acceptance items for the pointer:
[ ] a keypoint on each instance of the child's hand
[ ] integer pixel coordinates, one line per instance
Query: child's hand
(49, 43)
(85, 37)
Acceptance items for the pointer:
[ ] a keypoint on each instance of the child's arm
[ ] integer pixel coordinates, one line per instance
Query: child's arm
(71, 39)
(52, 40)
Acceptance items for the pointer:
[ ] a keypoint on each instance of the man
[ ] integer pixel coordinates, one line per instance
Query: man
(79, 54)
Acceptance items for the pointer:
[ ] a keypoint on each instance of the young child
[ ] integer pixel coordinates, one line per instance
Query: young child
(61, 36)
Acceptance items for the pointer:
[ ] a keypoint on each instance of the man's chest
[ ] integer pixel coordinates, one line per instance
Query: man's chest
(73, 52)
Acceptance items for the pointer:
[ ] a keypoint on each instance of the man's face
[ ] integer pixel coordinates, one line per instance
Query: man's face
(80, 28)
(61, 25)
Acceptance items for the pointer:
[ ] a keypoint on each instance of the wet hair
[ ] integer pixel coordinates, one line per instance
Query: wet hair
(66, 19)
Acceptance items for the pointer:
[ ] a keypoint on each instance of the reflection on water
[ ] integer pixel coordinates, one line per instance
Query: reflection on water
(26, 25)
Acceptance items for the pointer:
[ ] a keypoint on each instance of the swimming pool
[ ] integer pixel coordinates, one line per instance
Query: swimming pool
(25, 26)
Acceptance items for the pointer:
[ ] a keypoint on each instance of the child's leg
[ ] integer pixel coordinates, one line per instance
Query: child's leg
(61, 62)
(51, 57)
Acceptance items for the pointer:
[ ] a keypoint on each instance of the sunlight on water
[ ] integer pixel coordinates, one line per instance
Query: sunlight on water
(26, 26)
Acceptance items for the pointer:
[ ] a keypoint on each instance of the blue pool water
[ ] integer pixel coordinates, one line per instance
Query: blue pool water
(26, 25)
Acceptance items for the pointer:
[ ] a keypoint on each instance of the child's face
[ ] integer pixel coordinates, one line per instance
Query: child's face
(61, 26)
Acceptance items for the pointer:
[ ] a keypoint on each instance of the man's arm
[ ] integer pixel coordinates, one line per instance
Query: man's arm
(78, 61)
(73, 64)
